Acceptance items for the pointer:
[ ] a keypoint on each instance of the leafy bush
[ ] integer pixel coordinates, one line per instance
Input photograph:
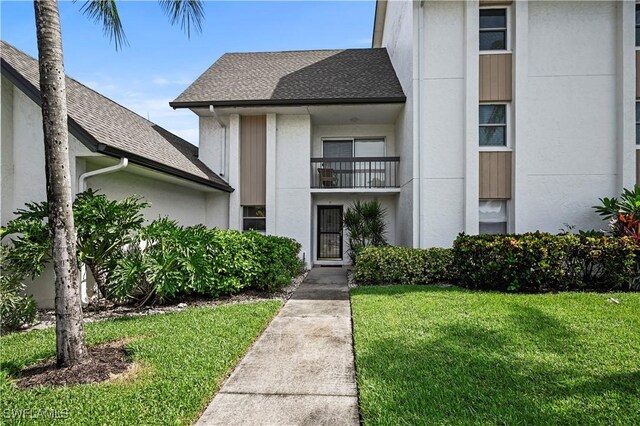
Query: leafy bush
(168, 260)
(277, 260)
(16, 309)
(623, 214)
(103, 228)
(365, 223)
(401, 265)
(539, 262)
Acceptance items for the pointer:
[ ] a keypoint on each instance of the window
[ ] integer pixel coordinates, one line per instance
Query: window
(493, 216)
(493, 29)
(253, 218)
(374, 147)
(637, 123)
(493, 125)
(637, 25)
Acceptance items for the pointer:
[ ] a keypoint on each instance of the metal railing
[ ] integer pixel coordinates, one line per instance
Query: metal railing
(355, 172)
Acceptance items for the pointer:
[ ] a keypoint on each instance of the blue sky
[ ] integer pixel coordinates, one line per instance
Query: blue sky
(160, 61)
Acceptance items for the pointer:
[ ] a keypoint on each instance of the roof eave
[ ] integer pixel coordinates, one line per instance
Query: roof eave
(145, 162)
(92, 143)
(287, 102)
(378, 23)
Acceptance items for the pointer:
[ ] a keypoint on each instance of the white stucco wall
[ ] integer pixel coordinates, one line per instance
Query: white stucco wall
(6, 150)
(398, 39)
(213, 144)
(442, 119)
(388, 202)
(187, 206)
(292, 183)
(568, 156)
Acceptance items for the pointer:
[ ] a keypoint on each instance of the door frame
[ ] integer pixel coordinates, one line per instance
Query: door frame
(318, 233)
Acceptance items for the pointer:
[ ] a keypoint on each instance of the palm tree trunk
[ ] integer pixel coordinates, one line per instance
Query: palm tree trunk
(70, 347)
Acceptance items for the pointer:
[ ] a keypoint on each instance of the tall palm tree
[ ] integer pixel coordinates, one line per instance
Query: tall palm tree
(70, 346)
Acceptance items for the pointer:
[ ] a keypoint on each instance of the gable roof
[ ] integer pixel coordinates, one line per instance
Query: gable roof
(107, 127)
(296, 78)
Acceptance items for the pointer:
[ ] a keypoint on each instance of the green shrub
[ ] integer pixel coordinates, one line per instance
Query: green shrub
(401, 265)
(539, 262)
(277, 261)
(167, 261)
(16, 309)
(103, 228)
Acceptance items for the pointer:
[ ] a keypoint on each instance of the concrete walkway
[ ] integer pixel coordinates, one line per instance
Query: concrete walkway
(301, 370)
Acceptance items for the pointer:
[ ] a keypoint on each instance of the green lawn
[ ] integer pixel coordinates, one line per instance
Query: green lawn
(185, 357)
(429, 356)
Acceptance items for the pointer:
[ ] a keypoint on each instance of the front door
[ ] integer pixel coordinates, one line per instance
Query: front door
(329, 233)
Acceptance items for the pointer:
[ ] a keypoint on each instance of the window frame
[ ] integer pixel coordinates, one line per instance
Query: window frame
(507, 125)
(264, 218)
(507, 211)
(507, 41)
(353, 140)
(636, 26)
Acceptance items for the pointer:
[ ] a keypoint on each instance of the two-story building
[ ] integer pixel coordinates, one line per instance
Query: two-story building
(300, 135)
(465, 116)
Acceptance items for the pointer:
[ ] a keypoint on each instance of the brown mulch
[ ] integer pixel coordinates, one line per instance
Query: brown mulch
(105, 362)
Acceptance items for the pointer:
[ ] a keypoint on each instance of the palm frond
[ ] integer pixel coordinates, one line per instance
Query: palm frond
(105, 12)
(186, 12)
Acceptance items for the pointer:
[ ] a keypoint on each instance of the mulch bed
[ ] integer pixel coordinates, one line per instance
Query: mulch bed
(106, 361)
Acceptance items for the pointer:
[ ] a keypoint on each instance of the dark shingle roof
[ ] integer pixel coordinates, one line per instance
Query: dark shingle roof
(297, 77)
(108, 127)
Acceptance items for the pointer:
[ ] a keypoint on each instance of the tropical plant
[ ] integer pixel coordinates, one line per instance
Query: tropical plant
(16, 309)
(623, 214)
(105, 227)
(30, 240)
(366, 226)
(70, 347)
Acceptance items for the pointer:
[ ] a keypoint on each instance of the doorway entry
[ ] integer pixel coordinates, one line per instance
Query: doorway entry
(330, 233)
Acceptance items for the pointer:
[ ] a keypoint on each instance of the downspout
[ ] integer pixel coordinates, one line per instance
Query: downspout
(224, 139)
(82, 180)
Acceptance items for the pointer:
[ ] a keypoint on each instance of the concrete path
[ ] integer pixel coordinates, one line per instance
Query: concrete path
(301, 370)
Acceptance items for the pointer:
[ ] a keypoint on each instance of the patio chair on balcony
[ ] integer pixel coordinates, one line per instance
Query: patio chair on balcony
(328, 178)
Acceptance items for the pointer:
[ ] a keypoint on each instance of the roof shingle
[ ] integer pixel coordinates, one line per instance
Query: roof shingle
(119, 129)
(296, 77)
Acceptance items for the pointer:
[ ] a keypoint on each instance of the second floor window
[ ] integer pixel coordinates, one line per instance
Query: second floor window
(637, 25)
(493, 125)
(493, 29)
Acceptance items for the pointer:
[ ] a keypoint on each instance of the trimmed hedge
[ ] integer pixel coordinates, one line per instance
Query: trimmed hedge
(540, 262)
(401, 265)
(533, 262)
(169, 261)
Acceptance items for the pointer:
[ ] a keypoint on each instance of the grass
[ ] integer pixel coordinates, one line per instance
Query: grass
(184, 357)
(428, 355)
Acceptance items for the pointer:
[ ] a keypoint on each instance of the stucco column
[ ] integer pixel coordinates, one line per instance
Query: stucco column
(521, 146)
(625, 87)
(235, 215)
(472, 96)
(271, 172)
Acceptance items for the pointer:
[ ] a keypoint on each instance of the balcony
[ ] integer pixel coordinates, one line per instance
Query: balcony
(361, 173)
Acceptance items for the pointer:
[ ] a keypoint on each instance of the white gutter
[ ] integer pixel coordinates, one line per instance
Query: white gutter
(224, 140)
(124, 162)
